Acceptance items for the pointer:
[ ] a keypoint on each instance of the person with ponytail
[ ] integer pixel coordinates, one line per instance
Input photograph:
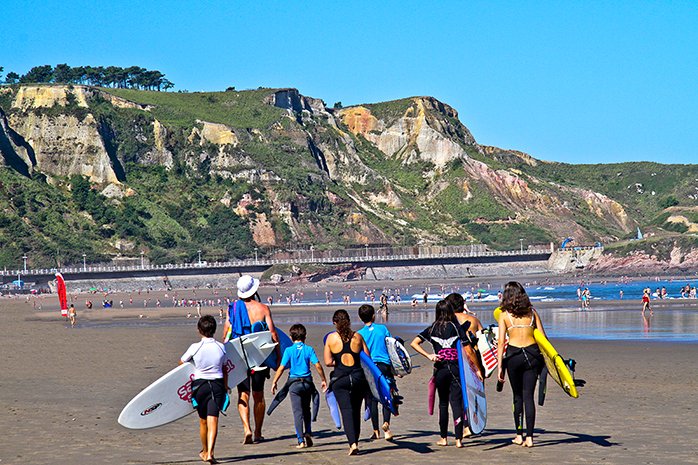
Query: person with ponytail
(445, 336)
(342, 351)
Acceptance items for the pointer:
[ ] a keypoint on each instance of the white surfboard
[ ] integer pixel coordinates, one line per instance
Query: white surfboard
(399, 358)
(169, 398)
(487, 346)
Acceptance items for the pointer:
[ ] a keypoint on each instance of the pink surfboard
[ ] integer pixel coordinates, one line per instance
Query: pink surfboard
(432, 395)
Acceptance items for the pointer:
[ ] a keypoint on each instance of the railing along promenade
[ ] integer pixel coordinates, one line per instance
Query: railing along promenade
(306, 256)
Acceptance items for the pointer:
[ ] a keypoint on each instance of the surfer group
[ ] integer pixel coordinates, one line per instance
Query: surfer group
(452, 329)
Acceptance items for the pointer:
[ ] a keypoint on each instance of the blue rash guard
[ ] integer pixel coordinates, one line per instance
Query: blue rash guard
(374, 335)
(299, 356)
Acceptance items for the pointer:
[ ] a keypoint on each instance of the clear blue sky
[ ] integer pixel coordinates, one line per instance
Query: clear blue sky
(578, 82)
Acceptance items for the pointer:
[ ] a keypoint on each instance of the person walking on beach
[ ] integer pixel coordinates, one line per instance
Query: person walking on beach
(445, 336)
(300, 385)
(72, 315)
(242, 314)
(383, 304)
(347, 380)
(209, 389)
(523, 360)
(374, 335)
(646, 301)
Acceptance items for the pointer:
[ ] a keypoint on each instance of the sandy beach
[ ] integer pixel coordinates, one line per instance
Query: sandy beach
(62, 390)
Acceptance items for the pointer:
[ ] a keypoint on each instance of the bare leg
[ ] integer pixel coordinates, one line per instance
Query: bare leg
(212, 423)
(244, 412)
(260, 407)
(203, 432)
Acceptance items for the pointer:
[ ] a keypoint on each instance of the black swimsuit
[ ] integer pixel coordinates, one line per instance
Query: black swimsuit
(350, 388)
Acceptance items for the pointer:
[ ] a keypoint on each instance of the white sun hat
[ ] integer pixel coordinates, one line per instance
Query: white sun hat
(247, 286)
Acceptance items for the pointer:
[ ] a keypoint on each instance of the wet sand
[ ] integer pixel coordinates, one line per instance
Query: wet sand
(62, 390)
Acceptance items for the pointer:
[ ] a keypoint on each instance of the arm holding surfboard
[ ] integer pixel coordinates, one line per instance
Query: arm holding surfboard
(500, 349)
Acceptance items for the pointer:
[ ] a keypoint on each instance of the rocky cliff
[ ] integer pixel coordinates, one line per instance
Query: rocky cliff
(228, 171)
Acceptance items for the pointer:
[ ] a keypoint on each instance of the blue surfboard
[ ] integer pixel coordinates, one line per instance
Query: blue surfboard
(284, 342)
(473, 389)
(334, 408)
(380, 387)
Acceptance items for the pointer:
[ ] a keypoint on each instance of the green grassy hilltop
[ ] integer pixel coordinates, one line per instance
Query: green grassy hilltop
(113, 172)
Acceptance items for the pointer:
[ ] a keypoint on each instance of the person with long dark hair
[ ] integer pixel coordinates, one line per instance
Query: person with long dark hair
(342, 351)
(523, 360)
(445, 336)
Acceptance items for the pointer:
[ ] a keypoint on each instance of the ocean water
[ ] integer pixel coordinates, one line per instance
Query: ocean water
(541, 293)
(666, 325)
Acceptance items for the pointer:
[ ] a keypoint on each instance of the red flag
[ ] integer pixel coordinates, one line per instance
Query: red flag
(62, 294)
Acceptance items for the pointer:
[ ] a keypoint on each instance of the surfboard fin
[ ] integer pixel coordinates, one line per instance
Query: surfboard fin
(572, 364)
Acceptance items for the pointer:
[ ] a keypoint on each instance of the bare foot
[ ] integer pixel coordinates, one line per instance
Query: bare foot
(529, 442)
(301, 445)
(248, 438)
(518, 440)
(375, 435)
(212, 460)
(459, 443)
(354, 449)
(204, 456)
(442, 442)
(467, 432)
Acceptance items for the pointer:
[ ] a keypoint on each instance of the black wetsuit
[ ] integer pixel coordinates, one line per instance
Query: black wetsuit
(446, 340)
(523, 364)
(350, 388)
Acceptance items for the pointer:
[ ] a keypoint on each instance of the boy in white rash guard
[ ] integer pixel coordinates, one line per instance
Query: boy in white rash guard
(210, 385)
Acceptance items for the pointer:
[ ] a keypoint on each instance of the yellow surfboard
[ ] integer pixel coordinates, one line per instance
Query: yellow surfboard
(556, 365)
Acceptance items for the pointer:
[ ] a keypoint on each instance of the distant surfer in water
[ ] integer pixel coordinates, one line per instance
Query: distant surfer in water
(210, 385)
(374, 335)
(445, 336)
(347, 380)
(242, 314)
(523, 360)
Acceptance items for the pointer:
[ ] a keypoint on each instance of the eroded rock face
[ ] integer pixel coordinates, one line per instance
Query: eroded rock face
(63, 145)
(646, 264)
(416, 136)
(160, 155)
(29, 97)
(215, 133)
(262, 231)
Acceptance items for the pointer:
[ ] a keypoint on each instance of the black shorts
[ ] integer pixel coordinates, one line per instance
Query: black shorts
(210, 397)
(256, 379)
